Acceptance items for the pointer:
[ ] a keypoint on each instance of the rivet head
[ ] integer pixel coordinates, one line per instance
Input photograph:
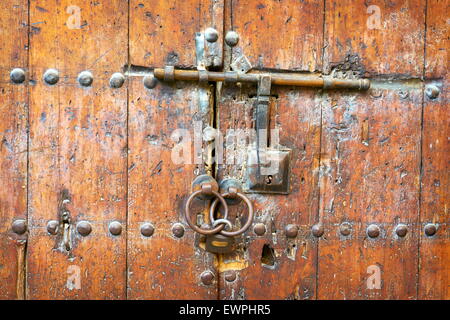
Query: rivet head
(230, 276)
(85, 78)
(84, 228)
(317, 230)
(51, 76)
(232, 38)
(259, 229)
(178, 230)
(291, 230)
(211, 35)
(150, 81)
(147, 230)
(115, 228)
(19, 226)
(432, 91)
(373, 231)
(401, 230)
(17, 75)
(209, 134)
(117, 80)
(207, 277)
(430, 229)
(345, 228)
(52, 227)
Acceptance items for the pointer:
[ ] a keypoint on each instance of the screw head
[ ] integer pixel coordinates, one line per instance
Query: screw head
(317, 230)
(117, 80)
(147, 230)
(401, 230)
(230, 276)
(373, 231)
(232, 38)
(432, 91)
(150, 81)
(430, 229)
(211, 35)
(178, 230)
(259, 229)
(51, 76)
(19, 226)
(291, 230)
(345, 228)
(85, 78)
(207, 277)
(17, 75)
(115, 228)
(52, 227)
(84, 228)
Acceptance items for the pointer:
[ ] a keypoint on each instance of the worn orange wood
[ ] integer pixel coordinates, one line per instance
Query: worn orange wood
(13, 146)
(77, 150)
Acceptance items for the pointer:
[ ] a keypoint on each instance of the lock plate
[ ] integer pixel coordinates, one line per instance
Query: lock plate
(218, 243)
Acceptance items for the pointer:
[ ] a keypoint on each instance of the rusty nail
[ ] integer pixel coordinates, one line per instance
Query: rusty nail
(259, 229)
(19, 226)
(373, 231)
(52, 227)
(178, 230)
(115, 228)
(317, 230)
(117, 80)
(291, 231)
(345, 229)
(432, 91)
(147, 230)
(232, 38)
(430, 229)
(84, 228)
(401, 230)
(17, 75)
(150, 81)
(211, 35)
(51, 76)
(230, 276)
(85, 78)
(207, 277)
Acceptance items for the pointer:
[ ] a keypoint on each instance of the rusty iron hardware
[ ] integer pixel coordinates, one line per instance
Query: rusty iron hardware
(66, 230)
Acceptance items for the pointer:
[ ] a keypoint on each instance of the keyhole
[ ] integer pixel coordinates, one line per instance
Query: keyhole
(269, 179)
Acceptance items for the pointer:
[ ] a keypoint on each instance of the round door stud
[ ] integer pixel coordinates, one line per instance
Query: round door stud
(291, 230)
(52, 227)
(150, 81)
(84, 228)
(19, 226)
(117, 80)
(147, 230)
(401, 230)
(430, 229)
(317, 230)
(230, 276)
(85, 78)
(211, 35)
(51, 76)
(373, 231)
(232, 38)
(17, 75)
(345, 229)
(259, 229)
(432, 91)
(178, 230)
(115, 228)
(207, 277)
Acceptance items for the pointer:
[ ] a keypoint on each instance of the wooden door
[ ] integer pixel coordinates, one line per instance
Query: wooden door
(94, 191)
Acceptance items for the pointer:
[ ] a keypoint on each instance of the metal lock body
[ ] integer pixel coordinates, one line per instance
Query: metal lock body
(218, 243)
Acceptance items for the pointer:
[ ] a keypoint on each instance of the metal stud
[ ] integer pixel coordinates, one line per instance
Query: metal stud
(19, 226)
(52, 227)
(178, 230)
(259, 229)
(211, 35)
(84, 228)
(51, 76)
(432, 91)
(117, 80)
(150, 81)
(147, 230)
(430, 229)
(317, 230)
(85, 78)
(232, 38)
(17, 75)
(115, 228)
(401, 230)
(345, 228)
(373, 231)
(207, 277)
(291, 230)
(230, 276)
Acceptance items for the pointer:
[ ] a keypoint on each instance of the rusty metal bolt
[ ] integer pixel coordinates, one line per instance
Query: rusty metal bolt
(232, 38)
(51, 76)
(401, 230)
(230, 276)
(117, 80)
(147, 230)
(291, 230)
(85, 78)
(115, 228)
(432, 91)
(211, 35)
(317, 230)
(373, 231)
(430, 229)
(345, 228)
(52, 227)
(84, 228)
(17, 75)
(209, 134)
(150, 81)
(178, 230)
(19, 226)
(259, 229)
(207, 277)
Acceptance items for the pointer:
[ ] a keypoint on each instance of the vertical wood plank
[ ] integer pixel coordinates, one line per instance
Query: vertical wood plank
(78, 150)
(13, 146)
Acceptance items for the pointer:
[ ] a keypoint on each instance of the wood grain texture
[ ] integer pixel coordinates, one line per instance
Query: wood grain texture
(78, 151)
(13, 146)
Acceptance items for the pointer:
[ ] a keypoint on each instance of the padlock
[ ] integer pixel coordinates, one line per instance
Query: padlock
(218, 243)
